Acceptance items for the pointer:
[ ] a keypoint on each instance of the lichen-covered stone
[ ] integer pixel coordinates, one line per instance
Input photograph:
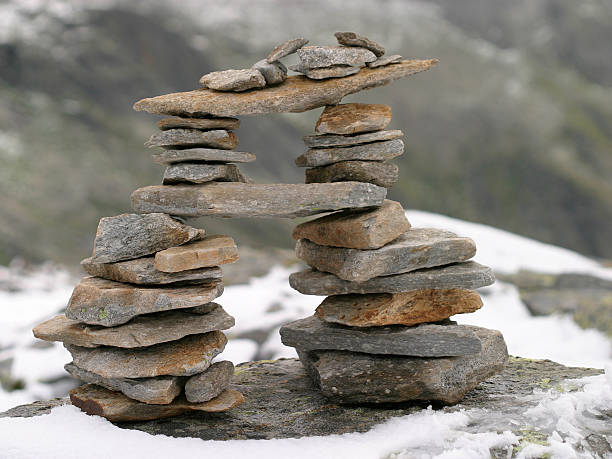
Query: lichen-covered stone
(333, 140)
(233, 80)
(189, 138)
(326, 56)
(375, 151)
(354, 39)
(285, 49)
(210, 251)
(202, 173)
(322, 73)
(378, 173)
(229, 124)
(353, 118)
(273, 72)
(202, 154)
(209, 384)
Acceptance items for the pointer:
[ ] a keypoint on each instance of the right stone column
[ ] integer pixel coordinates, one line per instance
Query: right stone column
(383, 332)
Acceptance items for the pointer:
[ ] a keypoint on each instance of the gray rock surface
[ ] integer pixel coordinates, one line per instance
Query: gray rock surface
(202, 173)
(385, 60)
(468, 275)
(285, 49)
(333, 140)
(256, 200)
(375, 151)
(173, 138)
(354, 39)
(347, 119)
(129, 236)
(229, 124)
(202, 154)
(233, 80)
(378, 173)
(335, 71)
(326, 56)
(273, 72)
(427, 340)
(417, 248)
(209, 384)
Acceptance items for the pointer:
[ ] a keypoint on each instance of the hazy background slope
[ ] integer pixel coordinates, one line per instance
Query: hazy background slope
(513, 128)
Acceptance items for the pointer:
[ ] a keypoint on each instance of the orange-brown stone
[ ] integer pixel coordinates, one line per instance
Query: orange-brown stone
(353, 118)
(210, 251)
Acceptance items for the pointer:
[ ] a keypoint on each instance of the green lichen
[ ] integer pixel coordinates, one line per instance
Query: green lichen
(544, 383)
(530, 437)
(102, 314)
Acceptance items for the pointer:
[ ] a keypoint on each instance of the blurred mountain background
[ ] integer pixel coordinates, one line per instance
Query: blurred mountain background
(513, 128)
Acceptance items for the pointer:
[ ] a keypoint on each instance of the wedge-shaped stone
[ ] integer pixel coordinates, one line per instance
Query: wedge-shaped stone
(146, 330)
(377, 173)
(353, 118)
(208, 385)
(407, 308)
(160, 390)
(417, 248)
(233, 80)
(385, 60)
(256, 200)
(187, 138)
(285, 49)
(202, 154)
(296, 94)
(202, 173)
(188, 356)
(129, 236)
(354, 39)
(99, 301)
(375, 151)
(229, 124)
(210, 251)
(142, 271)
(335, 71)
(273, 72)
(333, 140)
(426, 340)
(348, 377)
(362, 229)
(116, 407)
(469, 275)
(326, 56)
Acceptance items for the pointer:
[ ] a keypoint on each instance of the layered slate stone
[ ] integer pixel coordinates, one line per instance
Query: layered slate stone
(225, 123)
(202, 154)
(335, 71)
(296, 94)
(185, 357)
(377, 173)
(406, 308)
(347, 377)
(233, 80)
(103, 302)
(333, 140)
(375, 151)
(210, 251)
(160, 390)
(427, 340)
(209, 384)
(256, 200)
(417, 248)
(365, 229)
(142, 271)
(129, 236)
(285, 49)
(173, 138)
(202, 173)
(116, 407)
(469, 275)
(353, 118)
(142, 331)
(326, 56)
(354, 39)
(273, 72)
(385, 60)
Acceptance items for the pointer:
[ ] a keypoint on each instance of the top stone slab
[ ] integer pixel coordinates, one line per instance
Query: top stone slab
(297, 94)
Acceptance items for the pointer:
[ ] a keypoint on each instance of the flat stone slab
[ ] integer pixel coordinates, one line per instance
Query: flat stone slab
(256, 200)
(160, 390)
(327, 56)
(428, 340)
(142, 271)
(202, 173)
(185, 357)
(347, 377)
(468, 275)
(296, 94)
(209, 384)
(333, 140)
(407, 308)
(142, 331)
(375, 151)
(202, 154)
(233, 80)
(385, 60)
(353, 118)
(103, 302)
(354, 39)
(417, 248)
(286, 48)
(116, 407)
(335, 71)
(364, 229)
(211, 251)
(377, 173)
(225, 123)
(129, 236)
(174, 138)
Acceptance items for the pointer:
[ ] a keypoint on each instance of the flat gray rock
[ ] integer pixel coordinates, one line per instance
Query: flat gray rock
(103, 302)
(173, 138)
(233, 80)
(202, 154)
(335, 71)
(375, 151)
(209, 384)
(142, 331)
(375, 172)
(142, 271)
(273, 72)
(188, 356)
(202, 173)
(468, 275)
(326, 56)
(230, 199)
(285, 49)
(385, 60)
(417, 248)
(347, 377)
(333, 140)
(229, 124)
(159, 390)
(354, 39)
(427, 340)
(129, 236)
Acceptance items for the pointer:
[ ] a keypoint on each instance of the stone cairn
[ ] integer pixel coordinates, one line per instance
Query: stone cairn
(143, 330)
